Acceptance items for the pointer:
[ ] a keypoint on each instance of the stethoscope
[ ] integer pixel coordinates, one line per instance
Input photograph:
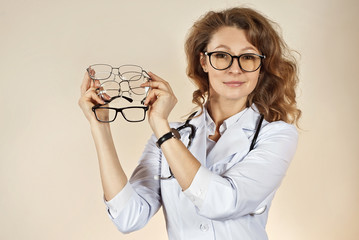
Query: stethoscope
(193, 133)
(190, 139)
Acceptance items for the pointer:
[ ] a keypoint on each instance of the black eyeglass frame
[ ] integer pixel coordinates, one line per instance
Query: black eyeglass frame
(102, 106)
(209, 54)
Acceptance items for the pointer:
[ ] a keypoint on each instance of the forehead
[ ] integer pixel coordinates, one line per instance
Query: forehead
(230, 38)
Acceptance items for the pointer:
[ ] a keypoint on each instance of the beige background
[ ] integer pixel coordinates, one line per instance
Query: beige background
(49, 180)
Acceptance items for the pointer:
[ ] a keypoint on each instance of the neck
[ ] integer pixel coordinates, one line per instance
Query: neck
(220, 110)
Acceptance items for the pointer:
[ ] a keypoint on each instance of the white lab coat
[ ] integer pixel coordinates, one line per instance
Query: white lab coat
(229, 197)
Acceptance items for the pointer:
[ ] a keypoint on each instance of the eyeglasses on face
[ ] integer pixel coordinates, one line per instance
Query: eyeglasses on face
(106, 114)
(248, 62)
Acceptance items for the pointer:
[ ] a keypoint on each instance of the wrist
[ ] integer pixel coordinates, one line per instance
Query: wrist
(96, 125)
(160, 128)
(173, 133)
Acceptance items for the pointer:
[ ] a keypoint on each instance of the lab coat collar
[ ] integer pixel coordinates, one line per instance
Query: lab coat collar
(235, 140)
(248, 120)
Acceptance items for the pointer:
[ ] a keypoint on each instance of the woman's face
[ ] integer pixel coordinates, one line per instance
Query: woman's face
(232, 83)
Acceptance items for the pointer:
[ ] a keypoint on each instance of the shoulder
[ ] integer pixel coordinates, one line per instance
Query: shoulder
(279, 128)
(272, 135)
(276, 127)
(279, 138)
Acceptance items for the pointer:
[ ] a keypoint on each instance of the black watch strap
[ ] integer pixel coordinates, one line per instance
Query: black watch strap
(172, 134)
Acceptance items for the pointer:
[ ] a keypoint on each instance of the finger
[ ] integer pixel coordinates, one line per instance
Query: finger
(154, 95)
(151, 97)
(92, 96)
(96, 83)
(105, 96)
(95, 98)
(91, 71)
(89, 100)
(155, 77)
(162, 85)
(86, 83)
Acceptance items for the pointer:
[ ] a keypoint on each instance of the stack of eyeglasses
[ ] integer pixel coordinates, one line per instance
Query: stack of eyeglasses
(118, 88)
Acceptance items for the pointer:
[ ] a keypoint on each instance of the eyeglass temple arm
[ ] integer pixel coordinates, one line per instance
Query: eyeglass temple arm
(108, 101)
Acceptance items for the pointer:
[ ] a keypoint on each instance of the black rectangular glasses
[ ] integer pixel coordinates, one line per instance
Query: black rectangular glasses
(107, 113)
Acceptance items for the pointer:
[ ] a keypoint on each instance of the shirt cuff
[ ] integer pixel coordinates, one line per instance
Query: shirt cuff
(198, 189)
(116, 204)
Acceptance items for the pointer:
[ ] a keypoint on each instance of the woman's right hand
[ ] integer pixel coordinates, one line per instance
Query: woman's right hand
(89, 97)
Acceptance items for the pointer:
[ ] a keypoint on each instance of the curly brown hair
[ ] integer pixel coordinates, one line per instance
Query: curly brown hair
(274, 95)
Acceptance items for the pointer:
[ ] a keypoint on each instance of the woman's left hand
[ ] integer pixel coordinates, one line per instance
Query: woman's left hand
(161, 100)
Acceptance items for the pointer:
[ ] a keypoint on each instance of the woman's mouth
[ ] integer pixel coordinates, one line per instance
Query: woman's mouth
(233, 83)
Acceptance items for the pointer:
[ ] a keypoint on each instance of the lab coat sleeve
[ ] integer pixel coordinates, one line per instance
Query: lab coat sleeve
(247, 185)
(139, 200)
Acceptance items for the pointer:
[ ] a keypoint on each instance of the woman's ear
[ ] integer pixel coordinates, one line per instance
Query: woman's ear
(202, 60)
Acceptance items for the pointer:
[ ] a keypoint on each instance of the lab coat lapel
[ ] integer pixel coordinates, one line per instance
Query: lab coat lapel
(235, 140)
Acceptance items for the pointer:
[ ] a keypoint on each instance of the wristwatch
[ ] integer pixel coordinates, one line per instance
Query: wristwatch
(172, 134)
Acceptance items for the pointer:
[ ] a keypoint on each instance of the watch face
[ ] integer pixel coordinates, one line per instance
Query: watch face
(175, 133)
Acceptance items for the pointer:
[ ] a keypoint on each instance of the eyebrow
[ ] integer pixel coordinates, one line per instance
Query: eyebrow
(243, 49)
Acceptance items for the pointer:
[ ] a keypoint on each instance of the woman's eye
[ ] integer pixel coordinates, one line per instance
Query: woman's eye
(221, 55)
(248, 57)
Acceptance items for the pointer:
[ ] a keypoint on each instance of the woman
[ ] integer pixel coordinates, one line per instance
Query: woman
(222, 186)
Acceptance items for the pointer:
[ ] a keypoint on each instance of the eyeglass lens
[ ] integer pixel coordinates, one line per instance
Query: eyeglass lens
(134, 114)
(105, 114)
(249, 62)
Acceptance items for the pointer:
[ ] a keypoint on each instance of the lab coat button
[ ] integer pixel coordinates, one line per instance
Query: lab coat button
(204, 227)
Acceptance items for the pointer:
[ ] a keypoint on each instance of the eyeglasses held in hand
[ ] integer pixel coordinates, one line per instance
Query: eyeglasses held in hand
(106, 114)
(128, 72)
(124, 88)
(248, 62)
(132, 76)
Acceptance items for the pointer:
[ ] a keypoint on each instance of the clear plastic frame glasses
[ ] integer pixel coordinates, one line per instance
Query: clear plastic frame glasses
(248, 62)
(131, 77)
(107, 113)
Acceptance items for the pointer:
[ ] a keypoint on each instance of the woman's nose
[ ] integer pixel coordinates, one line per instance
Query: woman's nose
(235, 67)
